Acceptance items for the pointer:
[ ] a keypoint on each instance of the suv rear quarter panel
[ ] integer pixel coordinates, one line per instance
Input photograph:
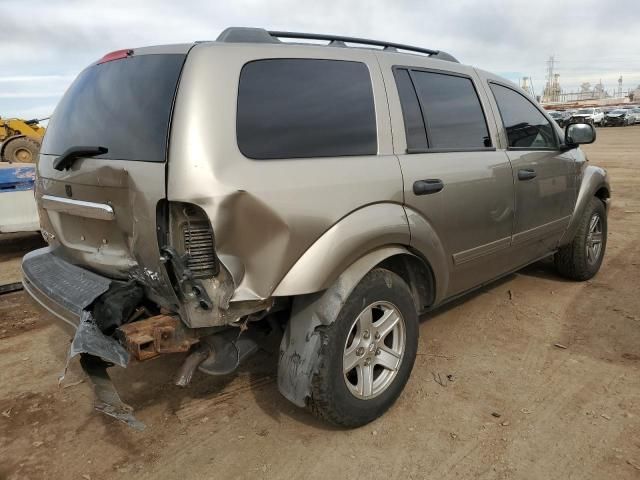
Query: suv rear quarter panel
(266, 213)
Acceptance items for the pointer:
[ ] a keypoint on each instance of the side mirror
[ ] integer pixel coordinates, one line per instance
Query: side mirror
(579, 133)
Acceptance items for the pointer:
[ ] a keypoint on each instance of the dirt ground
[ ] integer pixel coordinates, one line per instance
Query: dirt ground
(490, 397)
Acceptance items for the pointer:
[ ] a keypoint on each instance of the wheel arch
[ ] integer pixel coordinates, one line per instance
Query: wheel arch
(595, 183)
(418, 275)
(301, 341)
(364, 238)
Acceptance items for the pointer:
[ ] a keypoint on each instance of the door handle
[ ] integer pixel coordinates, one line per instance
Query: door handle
(526, 174)
(428, 186)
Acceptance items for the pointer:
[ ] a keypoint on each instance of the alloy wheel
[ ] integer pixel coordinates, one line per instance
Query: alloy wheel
(374, 350)
(594, 239)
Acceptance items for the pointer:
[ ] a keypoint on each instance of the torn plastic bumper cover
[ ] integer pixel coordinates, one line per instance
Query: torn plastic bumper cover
(98, 352)
(67, 291)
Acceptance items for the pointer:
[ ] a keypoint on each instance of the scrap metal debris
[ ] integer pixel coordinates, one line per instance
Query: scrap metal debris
(559, 345)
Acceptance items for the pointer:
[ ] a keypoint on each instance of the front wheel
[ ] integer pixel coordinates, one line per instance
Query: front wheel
(581, 259)
(367, 354)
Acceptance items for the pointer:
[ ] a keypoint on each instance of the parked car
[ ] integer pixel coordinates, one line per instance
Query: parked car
(336, 193)
(636, 113)
(620, 118)
(594, 116)
(561, 118)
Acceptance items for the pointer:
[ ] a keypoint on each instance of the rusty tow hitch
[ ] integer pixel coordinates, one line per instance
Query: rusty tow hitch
(146, 339)
(141, 340)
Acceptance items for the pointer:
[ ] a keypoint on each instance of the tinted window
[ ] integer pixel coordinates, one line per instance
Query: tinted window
(124, 105)
(526, 127)
(292, 108)
(452, 111)
(413, 121)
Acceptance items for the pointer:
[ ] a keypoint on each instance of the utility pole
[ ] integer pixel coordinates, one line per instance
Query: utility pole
(620, 87)
(549, 93)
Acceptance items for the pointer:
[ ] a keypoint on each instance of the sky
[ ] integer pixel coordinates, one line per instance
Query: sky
(45, 44)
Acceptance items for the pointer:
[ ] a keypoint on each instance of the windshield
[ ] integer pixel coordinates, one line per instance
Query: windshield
(123, 105)
(586, 110)
(618, 111)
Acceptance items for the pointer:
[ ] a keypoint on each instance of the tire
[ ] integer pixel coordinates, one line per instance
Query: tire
(575, 261)
(21, 150)
(350, 406)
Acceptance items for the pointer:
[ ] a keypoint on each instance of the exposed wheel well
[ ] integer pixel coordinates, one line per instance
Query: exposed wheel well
(418, 275)
(603, 193)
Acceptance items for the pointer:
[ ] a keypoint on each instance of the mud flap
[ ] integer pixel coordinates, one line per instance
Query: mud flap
(98, 352)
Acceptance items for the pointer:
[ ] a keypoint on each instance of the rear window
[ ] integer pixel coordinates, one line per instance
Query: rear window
(302, 108)
(123, 105)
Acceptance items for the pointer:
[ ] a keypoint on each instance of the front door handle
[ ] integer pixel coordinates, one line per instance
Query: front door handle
(526, 174)
(428, 186)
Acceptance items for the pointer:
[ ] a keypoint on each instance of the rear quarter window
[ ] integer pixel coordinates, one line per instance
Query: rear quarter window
(303, 108)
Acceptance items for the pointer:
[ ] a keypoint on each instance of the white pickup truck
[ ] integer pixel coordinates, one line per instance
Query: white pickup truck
(18, 212)
(594, 116)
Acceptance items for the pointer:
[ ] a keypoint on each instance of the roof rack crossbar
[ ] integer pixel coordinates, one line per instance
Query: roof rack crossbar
(338, 39)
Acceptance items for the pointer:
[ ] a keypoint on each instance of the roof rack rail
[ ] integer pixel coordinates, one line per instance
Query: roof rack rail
(260, 35)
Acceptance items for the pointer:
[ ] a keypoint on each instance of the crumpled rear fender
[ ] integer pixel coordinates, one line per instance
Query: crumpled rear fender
(594, 180)
(364, 230)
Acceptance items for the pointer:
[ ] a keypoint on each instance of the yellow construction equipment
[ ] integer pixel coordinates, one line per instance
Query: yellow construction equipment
(20, 139)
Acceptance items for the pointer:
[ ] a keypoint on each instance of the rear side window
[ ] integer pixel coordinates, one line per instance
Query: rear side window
(526, 127)
(124, 105)
(300, 108)
(450, 111)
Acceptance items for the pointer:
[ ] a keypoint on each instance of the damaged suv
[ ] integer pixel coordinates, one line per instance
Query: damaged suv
(202, 198)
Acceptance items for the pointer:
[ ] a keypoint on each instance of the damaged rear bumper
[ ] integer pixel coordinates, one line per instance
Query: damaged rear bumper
(66, 290)
(63, 289)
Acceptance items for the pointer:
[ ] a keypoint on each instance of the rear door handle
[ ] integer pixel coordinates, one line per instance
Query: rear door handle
(428, 186)
(526, 174)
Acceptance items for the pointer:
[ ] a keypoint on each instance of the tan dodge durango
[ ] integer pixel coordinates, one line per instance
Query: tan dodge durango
(324, 192)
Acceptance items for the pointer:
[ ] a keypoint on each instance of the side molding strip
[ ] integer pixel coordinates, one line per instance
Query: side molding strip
(477, 252)
(541, 231)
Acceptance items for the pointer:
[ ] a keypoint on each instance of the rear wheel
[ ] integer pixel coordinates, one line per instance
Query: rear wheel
(581, 259)
(21, 150)
(367, 354)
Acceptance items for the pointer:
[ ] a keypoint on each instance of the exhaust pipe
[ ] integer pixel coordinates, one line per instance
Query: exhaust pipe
(199, 354)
